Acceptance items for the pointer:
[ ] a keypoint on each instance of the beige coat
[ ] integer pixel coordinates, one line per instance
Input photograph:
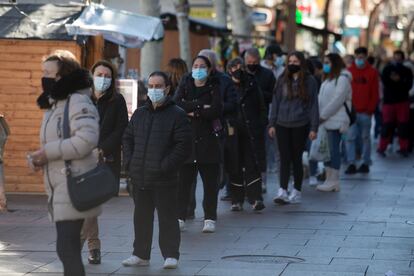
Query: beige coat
(84, 125)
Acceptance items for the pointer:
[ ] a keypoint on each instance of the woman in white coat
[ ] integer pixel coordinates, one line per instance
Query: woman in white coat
(335, 93)
(64, 78)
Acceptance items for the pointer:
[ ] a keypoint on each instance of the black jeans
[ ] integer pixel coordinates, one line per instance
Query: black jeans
(210, 175)
(247, 180)
(68, 246)
(291, 141)
(165, 201)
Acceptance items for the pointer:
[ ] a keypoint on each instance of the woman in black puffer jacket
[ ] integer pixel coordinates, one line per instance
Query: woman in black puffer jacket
(200, 97)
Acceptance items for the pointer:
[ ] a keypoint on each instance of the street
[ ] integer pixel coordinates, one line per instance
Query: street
(362, 230)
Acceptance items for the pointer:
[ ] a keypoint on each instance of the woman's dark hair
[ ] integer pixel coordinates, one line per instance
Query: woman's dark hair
(206, 61)
(288, 78)
(337, 65)
(177, 68)
(67, 62)
(162, 75)
(111, 67)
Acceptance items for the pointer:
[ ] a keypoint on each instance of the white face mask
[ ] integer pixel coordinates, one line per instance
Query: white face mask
(101, 84)
(156, 95)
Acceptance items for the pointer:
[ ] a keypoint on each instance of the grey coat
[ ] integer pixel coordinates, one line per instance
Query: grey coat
(295, 112)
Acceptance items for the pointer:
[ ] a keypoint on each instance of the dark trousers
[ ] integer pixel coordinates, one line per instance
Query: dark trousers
(395, 116)
(246, 181)
(210, 176)
(68, 246)
(291, 141)
(165, 201)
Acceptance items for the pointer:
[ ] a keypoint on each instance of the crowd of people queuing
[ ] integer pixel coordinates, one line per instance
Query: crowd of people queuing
(230, 127)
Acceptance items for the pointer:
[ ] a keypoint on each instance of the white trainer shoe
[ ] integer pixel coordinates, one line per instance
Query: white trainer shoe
(181, 224)
(135, 261)
(282, 197)
(170, 263)
(313, 181)
(209, 226)
(295, 196)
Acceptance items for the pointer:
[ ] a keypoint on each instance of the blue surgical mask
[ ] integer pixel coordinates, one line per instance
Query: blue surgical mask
(359, 62)
(101, 84)
(199, 73)
(279, 62)
(156, 95)
(327, 68)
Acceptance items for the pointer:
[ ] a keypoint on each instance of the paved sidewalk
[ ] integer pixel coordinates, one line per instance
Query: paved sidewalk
(360, 231)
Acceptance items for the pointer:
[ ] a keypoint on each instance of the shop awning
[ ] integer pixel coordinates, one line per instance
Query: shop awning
(121, 27)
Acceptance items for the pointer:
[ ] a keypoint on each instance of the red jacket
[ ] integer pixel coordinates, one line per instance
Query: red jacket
(365, 88)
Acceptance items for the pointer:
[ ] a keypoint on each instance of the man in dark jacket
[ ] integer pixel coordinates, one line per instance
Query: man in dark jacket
(157, 142)
(266, 80)
(397, 80)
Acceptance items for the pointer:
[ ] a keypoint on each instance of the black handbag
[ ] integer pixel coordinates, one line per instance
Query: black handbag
(90, 189)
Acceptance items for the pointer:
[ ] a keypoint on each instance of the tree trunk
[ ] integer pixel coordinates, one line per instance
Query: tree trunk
(325, 37)
(220, 8)
(151, 53)
(182, 8)
(373, 16)
(240, 19)
(290, 31)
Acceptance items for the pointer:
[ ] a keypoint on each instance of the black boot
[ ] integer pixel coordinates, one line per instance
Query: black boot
(94, 256)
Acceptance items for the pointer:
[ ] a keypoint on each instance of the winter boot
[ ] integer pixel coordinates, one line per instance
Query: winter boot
(332, 182)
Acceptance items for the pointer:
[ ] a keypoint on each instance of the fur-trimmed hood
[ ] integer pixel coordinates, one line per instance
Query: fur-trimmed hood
(79, 79)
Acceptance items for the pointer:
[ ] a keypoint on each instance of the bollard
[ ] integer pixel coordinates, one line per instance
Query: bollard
(4, 133)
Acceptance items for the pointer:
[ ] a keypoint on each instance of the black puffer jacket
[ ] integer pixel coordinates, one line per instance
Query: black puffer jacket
(113, 120)
(156, 143)
(206, 143)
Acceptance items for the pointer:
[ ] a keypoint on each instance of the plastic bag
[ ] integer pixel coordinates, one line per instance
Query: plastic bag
(319, 150)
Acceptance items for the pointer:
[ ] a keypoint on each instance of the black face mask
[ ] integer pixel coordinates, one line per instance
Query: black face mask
(48, 84)
(293, 68)
(253, 67)
(237, 74)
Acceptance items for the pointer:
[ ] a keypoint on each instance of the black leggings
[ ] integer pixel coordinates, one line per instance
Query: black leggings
(68, 246)
(210, 175)
(291, 141)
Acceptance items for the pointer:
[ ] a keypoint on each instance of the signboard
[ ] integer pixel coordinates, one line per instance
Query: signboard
(261, 16)
(129, 89)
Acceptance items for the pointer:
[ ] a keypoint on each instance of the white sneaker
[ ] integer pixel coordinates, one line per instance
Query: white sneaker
(135, 261)
(295, 196)
(181, 224)
(237, 207)
(170, 263)
(282, 197)
(313, 181)
(209, 226)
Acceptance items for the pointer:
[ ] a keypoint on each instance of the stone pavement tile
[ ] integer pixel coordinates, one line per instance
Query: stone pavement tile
(42, 257)
(11, 266)
(184, 268)
(230, 268)
(378, 266)
(355, 253)
(320, 273)
(352, 244)
(314, 251)
(289, 241)
(308, 268)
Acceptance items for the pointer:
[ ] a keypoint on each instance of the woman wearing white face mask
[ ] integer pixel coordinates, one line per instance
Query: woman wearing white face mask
(199, 95)
(113, 120)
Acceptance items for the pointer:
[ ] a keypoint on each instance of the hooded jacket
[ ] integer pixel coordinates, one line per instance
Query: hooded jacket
(365, 88)
(396, 91)
(84, 126)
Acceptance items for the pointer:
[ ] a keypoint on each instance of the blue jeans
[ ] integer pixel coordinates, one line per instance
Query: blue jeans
(362, 128)
(334, 142)
(313, 165)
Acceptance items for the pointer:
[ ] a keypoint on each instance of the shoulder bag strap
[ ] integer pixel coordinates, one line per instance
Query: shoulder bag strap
(346, 106)
(66, 133)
